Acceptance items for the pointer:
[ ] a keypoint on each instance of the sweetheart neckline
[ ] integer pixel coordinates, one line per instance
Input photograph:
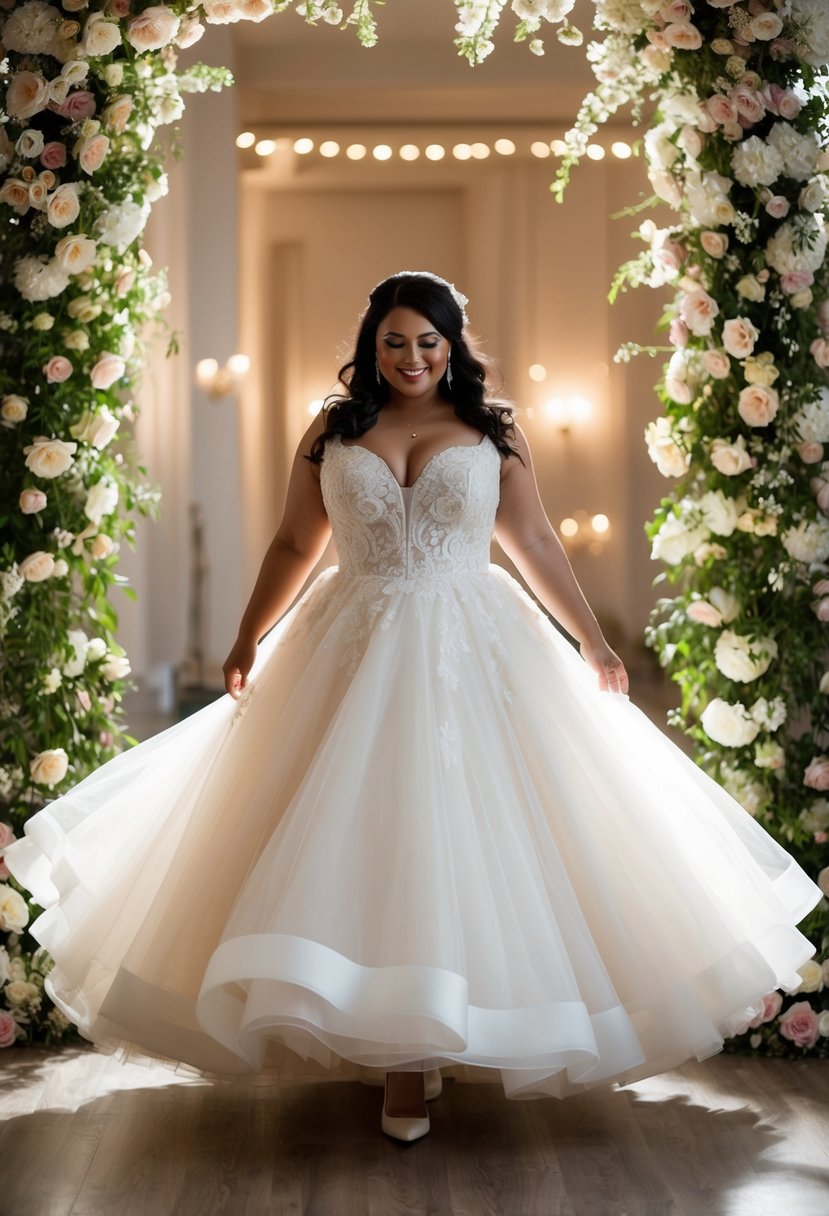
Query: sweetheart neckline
(452, 447)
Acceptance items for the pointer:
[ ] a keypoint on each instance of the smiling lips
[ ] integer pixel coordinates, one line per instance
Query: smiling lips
(412, 374)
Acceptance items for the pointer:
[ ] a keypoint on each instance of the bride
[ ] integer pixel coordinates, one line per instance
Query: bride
(421, 832)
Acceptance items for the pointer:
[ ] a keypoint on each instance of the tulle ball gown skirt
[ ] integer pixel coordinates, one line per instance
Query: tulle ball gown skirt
(422, 838)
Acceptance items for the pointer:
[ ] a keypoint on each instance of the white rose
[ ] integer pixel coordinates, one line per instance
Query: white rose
(13, 408)
(49, 767)
(64, 206)
(808, 541)
(730, 458)
(719, 512)
(14, 913)
(743, 658)
(78, 641)
(675, 540)
(100, 37)
(728, 724)
(811, 977)
(30, 144)
(726, 604)
(96, 428)
(101, 500)
(49, 457)
(116, 667)
(660, 149)
(96, 648)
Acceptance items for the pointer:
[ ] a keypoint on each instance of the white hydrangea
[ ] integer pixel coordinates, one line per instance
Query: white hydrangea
(743, 658)
(729, 724)
(808, 541)
(798, 152)
(121, 223)
(625, 16)
(756, 163)
(11, 581)
(811, 421)
(798, 244)
(707, 197)
(31, 28)
(812, 19)
(39, 278)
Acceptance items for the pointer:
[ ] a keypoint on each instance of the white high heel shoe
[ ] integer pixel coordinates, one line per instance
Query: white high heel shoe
(403, 1127)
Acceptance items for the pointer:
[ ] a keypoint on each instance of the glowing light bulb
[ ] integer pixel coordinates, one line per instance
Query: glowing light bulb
(540, 149)
(595, 151)
(558, 147)
(356, 151)
(537, 372)
(461, 151)
(435, 152)
(568, 526)
(620, 149)
(303, 146)
(239, 364)
(265, 147)
(479, 151)
(329, 148)
(600, 522)
(409, 152)
(504, 147)
(246, 139)
(382, 152)
(315, 406)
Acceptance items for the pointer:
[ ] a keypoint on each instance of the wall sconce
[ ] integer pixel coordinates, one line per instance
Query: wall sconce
(584, 531)
(564, 411)
(221, 381)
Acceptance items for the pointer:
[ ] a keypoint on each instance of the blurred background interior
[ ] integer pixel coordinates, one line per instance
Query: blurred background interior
(327, 167)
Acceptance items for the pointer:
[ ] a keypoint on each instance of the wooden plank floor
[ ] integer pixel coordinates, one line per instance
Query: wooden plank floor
(82, 1135)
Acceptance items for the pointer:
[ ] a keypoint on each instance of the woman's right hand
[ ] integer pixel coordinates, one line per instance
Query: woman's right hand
(237, 665)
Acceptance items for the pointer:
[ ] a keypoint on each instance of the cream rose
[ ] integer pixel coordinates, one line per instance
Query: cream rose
(719, 512)
(96, 428)
(75, 253)
(152, 29)
(663, 449)
(743, 658)
(107, 370)
(698, 310)
(100, 37)
(63, 207)
(758, 405)
(730, 457)
(15, 193)
(49, 767)
(101, 499)
(715, 244)
(49, 457)
(14, 914)
(750, 288)
(739, 337)
(116, 667)
(716, 364)
(14, 409)
(37, 566)
(57, 369)
(27, 94)
(811, 977)
(117, 112)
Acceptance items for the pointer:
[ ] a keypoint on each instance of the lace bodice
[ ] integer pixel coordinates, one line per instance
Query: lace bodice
(449, 522)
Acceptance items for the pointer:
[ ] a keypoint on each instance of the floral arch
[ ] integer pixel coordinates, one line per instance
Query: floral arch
(738, 160)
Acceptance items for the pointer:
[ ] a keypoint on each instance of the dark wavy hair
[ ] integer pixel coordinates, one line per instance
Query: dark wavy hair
(356, 411)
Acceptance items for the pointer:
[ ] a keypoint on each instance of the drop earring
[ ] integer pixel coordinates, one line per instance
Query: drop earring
(377, 370)
(448, 373)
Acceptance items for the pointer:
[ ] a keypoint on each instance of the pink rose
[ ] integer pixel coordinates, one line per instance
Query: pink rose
(821, 611)
(106, 738)
(810, 453)
(771, 1007)
(118, 8)
(721, 108)
(53, 155)
(57, 369)
(8, 1029)
(749, 105)
(683, 36)
(107, 370)
(124, 282)
(79, 104)
(678, 333)
(677, 10)
(816, 775)
(715, 244)
(758, 405)
(716, 364)
(6, 838)
(703, 613)
(790, 106)
(778, 207)
(821, 587)
(820, 352)
(84, 700)
(32, 501)
(796, 280)
(799, 1024)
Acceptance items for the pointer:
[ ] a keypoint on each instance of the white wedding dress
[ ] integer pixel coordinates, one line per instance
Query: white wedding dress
(423, 837)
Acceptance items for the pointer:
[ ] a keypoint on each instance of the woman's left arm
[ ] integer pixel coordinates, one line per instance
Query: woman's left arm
(528, 538)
